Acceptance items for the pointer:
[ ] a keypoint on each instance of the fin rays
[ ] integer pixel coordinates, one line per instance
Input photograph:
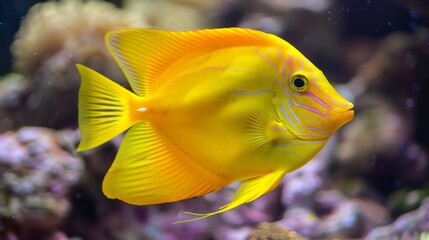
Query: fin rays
(103, 109)
(248, 191)
(144, 54)
(149, 167)
(147, 170)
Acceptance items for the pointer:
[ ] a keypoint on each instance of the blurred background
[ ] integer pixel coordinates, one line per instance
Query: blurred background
(370, 181)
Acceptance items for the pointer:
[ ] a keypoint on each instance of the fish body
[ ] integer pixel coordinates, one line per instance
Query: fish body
(211, 107)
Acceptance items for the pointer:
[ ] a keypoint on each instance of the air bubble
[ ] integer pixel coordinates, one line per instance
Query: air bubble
(413, 14)
(409, 103)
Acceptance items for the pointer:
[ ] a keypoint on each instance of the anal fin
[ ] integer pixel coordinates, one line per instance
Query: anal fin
(149, 170)
(248, 191)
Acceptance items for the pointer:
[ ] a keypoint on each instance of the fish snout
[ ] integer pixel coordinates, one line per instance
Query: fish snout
(342, 115)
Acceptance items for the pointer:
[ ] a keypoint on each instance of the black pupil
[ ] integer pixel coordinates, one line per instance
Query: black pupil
(299, 83)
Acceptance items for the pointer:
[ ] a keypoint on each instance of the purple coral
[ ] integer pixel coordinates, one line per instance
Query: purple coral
(36, 176)
(409, 225)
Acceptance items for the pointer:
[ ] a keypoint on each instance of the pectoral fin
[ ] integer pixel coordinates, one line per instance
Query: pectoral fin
(248, 191)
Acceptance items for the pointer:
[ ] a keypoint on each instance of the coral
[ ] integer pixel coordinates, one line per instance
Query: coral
(315, 210)
(332, 214)
(46, 51)
(392, 143)
(14, 90)
(406, 199)
(378, 131)
(310, 5)
(391, 50)
(407, 226)
(51, 47)
(378, 172)
(271, 231)
(36, 176)
(172, 14)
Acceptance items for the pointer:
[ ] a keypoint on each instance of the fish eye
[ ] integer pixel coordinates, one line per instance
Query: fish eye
(299, 83)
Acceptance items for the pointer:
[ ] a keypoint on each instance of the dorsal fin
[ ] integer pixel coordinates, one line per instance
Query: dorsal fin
(144, 54)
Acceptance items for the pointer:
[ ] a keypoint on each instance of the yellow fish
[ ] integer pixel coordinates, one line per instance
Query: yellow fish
(210, 107)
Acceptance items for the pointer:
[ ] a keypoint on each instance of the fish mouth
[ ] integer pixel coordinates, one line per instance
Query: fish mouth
(342, 115)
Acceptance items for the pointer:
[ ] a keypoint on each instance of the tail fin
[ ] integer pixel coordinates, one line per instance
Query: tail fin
(103, 109)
